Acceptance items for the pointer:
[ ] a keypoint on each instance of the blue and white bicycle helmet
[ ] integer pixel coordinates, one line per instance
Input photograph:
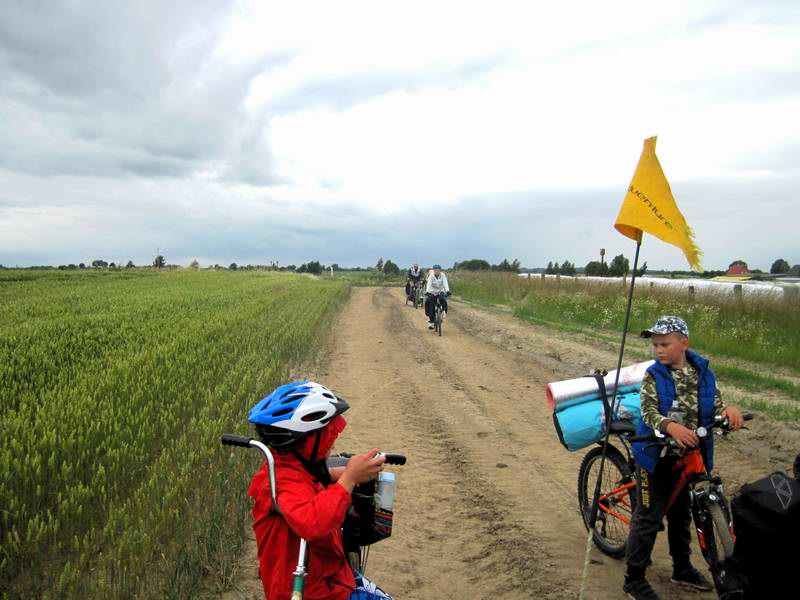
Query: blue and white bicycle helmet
(293, 411)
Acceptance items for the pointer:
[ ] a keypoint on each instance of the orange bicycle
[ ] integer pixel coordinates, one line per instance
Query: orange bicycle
(710, 507)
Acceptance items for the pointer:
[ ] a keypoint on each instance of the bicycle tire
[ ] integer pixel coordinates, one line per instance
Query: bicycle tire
(610, 534)
(718, 541)
(439, 321)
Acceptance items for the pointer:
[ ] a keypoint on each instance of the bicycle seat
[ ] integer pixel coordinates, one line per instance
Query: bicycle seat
(622, 427)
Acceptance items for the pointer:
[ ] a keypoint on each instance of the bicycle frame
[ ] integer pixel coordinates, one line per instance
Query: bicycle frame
(438, 310)
(618, 495)
(416, 290)
(693, 472)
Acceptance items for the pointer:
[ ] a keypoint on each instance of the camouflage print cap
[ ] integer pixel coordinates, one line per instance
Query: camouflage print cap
(667, 324)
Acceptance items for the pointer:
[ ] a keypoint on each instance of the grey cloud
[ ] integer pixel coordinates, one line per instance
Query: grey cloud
(127, 89)
(105, 50)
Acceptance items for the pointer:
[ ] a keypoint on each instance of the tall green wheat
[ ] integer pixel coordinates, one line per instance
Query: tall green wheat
(114, 390)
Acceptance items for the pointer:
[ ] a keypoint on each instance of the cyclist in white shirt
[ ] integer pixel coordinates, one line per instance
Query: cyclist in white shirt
(435, 284)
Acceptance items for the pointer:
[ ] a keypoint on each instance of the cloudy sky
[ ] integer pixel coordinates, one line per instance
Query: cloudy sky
(431, 131)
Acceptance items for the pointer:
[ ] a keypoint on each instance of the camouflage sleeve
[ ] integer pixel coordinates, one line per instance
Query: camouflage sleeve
(649, 400)
(719, 405)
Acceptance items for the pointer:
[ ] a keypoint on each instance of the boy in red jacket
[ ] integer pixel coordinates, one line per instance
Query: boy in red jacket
(300, 421)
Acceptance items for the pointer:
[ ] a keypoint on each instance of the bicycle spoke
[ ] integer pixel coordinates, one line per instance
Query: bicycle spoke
(615, 507)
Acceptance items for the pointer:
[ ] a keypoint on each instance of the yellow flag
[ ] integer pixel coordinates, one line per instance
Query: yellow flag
(649, 206)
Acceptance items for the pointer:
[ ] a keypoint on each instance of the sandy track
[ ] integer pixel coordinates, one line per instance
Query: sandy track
(486, 507)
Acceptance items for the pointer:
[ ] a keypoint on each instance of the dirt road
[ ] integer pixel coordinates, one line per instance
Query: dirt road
(486, 507)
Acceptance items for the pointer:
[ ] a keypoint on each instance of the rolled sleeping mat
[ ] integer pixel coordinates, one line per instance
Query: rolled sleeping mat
(563, 394)
(582, 425)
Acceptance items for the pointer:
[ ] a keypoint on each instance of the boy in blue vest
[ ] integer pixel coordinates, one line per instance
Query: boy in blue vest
(679, 393)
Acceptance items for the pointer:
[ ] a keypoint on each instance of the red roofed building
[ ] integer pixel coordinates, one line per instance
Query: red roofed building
(737, 267)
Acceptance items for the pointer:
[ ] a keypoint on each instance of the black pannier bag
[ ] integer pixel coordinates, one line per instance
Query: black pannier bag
(365, 522)
(766, 522)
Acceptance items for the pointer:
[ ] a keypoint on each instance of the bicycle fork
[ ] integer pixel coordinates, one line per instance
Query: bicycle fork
(299, 573)
(701, 499)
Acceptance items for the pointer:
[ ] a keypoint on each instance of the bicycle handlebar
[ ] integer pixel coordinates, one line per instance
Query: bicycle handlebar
(228, 439)
(665, 438)
(395, 459)
(392, 458)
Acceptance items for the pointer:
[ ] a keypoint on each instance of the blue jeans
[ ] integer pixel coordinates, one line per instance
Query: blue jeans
(366, 590)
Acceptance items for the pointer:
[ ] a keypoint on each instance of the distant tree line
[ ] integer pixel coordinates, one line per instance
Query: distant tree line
(565, 268)
(478, 264)
(618, 267)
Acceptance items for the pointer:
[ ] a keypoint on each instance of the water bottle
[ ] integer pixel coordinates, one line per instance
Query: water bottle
(384, 493)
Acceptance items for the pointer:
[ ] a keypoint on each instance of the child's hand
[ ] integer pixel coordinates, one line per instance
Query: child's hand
(335, 473)
(734, 416)
(683, 436)
(361, 468)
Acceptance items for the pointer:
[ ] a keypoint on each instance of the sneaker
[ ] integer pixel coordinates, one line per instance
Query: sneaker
(639, 589)
(691, 577)
(431, 325)
(444, 315)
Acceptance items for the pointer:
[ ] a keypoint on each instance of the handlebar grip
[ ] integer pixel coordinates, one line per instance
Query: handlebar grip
(395, 459)
(644, 438)
(747, 417)
(228, 439)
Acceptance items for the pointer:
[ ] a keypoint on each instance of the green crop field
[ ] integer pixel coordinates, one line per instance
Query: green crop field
(371, 278)
(114, 390)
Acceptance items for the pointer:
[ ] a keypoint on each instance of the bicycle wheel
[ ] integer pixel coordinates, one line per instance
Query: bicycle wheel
(439, 321)
(717, 542)
(617, 499)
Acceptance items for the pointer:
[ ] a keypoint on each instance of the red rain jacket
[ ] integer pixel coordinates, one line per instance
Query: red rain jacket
(308, 510)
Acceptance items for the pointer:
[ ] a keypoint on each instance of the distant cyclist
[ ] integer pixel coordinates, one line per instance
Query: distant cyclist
(435, 285)
(413, 277)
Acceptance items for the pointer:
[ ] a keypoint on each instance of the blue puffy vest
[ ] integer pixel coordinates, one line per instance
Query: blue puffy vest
(646, 453)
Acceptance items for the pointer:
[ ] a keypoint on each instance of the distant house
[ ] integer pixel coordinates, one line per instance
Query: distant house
(737, 269)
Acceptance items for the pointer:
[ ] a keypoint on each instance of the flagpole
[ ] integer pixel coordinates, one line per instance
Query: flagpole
(612, 405)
